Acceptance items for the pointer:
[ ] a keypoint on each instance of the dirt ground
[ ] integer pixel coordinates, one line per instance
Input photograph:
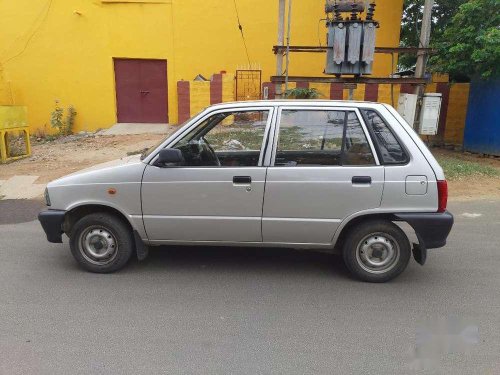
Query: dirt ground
(51, 160)
(473, 187)
(479, 188)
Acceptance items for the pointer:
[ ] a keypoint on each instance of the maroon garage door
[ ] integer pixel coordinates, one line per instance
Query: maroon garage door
(141, 90)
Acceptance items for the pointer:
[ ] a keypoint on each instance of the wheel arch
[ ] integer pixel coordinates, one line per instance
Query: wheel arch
(348, 224)
(77, 212)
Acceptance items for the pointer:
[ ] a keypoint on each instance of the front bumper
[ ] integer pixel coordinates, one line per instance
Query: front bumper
(52, 221)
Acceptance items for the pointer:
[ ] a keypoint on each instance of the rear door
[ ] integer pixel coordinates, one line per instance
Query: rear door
(323, 168)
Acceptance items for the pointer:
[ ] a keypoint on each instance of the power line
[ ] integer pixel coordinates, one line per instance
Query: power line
(49, 4)
(241, 31)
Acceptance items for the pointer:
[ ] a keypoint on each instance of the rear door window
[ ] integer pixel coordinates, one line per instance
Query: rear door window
(321, 138)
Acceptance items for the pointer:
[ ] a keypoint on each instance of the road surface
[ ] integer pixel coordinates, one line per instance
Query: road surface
(249, 311)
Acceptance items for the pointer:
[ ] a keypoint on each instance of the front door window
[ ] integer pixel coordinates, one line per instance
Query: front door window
(226, 139)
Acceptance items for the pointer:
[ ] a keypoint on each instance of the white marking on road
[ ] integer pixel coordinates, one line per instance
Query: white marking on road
(471, 215)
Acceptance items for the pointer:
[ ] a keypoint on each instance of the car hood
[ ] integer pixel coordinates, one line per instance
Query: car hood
(111, 171)
(109, 164)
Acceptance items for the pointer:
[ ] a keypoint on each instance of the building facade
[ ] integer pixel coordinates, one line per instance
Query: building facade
(122, 60)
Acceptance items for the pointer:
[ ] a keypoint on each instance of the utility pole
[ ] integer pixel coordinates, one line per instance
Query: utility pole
(281, 34)
(420, 68)
(288, 43)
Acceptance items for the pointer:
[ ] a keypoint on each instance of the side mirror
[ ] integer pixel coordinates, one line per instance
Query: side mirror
(170, 156)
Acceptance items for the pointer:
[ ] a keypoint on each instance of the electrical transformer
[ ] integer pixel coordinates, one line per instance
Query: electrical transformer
(351, 39)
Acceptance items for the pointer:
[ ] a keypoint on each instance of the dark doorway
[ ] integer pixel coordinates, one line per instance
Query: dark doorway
(141, 90)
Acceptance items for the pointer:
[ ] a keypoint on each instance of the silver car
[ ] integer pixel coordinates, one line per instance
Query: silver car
(332, 176)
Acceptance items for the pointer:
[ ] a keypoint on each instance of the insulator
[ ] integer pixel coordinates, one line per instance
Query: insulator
(371, 11)
(336, 11)
(354, 12)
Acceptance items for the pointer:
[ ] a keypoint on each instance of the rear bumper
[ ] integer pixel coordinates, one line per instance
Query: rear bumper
(432, 229)
(52, 221)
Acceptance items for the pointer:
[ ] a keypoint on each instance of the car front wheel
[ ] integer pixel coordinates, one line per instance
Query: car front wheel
(101, 243)
(376, 251)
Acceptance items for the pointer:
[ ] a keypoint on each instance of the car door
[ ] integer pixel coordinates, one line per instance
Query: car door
(217, 194)
(323, 168)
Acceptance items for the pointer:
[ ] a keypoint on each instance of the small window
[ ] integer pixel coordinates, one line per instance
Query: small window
(390, 149)
(228, 139)
(320, 137)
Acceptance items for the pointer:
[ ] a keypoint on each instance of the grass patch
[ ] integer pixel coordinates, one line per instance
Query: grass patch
(455, 169)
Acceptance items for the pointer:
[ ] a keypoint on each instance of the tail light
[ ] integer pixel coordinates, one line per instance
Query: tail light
(442, 195)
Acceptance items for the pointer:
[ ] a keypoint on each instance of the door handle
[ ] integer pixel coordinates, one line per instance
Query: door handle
(366, 180)
(242, 180)
(144, 92)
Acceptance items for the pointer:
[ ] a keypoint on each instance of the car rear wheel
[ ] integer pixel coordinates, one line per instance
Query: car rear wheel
(376, 251)
(101, 243)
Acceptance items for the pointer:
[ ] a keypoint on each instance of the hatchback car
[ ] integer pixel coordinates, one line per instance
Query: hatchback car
(332, 176)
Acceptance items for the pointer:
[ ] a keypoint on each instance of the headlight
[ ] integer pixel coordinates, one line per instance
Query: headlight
(47, 198)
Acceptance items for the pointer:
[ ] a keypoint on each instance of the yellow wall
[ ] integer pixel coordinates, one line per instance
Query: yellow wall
(457, 112)
(66, 51)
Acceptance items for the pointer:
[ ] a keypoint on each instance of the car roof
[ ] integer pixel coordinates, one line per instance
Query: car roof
(297, 102)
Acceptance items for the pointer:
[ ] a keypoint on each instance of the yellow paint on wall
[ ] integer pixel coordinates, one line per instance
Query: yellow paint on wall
(5, 98)
(322, 88)
(358, 93)
(64, 50)
(437, 77)
(388, 96)
(199, 95)
(431, 87)
(227, 87)
(457, 112)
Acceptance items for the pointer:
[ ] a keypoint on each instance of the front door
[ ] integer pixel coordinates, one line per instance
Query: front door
(216, 195)
(323, 170)
(141, 90)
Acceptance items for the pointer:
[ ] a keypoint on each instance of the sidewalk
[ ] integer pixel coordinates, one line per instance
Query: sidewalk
(21, 187)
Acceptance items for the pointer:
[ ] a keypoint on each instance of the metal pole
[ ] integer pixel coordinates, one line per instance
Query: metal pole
(279, 54)
(425, 36)
(288, 43)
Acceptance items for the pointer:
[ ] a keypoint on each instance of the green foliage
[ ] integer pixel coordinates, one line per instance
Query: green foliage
(411, 24)
(302, 93)
(70, 119)
(471, 44)
(456, 169)
(64, 127)
(465, 33)
(56, 118)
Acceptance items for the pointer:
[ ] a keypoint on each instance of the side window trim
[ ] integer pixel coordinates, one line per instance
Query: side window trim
(270, 139)
(270, 109)
(367, 135)
(379, 153)
(322, 108)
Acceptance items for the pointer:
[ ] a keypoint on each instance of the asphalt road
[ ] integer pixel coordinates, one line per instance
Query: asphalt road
(250, 311)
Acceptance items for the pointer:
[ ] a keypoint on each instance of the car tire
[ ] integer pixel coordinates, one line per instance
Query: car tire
(376, 251)
(101, 242)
